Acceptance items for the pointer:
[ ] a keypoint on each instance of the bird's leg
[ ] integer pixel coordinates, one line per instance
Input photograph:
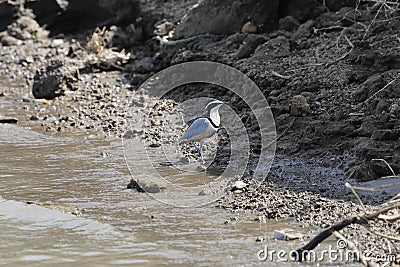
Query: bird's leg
(200, 151)
(193, 144)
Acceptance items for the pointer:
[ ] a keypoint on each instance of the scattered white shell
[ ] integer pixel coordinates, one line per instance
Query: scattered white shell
(238, 185)
(287, 234)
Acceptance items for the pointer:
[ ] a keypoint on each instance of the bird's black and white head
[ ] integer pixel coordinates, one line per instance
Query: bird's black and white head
(213, 113)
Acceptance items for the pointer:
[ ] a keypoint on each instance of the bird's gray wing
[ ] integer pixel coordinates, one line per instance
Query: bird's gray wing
(197, 128)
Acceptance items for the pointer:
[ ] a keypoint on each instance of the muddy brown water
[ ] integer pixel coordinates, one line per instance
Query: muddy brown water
(118, 226)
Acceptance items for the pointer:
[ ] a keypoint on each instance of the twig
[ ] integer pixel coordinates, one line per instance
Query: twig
(336, 27)
(389, 218)
(274, 73)
(390, 176)
(395, 36)
(372, 22)
(349, 42)
(348, 185)
(376, 93)
(372, 189)
(341, 58)
(394, 198)
(381, 211)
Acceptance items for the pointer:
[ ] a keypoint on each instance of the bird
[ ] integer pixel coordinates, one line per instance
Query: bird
(249, 26)
(203, 127)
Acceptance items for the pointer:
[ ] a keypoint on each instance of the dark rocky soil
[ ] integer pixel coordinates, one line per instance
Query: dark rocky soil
(331, 75)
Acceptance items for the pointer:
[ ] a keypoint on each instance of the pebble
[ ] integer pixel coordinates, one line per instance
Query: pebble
(394, 111)
(287, 234)
(155, 145)
(238, 185)
(289, 24)
(200, 168)
(33, 118)
(57, 42)
(8, 120)
(299, 106)
(142, 187)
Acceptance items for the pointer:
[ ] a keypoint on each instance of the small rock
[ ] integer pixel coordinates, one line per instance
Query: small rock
(133, 133)
(287, 234)
(238, 185)
(8, 120)
(299, 106)
(8, 40)
(274, 48)
(134, 185)
(53, 81)
(275, 93)
(29, 59)
(155, 123)
(366, 129)
(289, 24)
(155, 145)
(57, 42)
(143, 187)
(394, 111)
(153, 188)
(163, 28)
(304, 30)
(232, 220)
(33, 118)
(249, 44)
(200, 168)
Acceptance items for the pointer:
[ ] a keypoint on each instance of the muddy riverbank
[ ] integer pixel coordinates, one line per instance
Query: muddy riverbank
(331, 78)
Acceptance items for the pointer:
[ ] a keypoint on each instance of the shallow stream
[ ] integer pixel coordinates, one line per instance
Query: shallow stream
(119, 226)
